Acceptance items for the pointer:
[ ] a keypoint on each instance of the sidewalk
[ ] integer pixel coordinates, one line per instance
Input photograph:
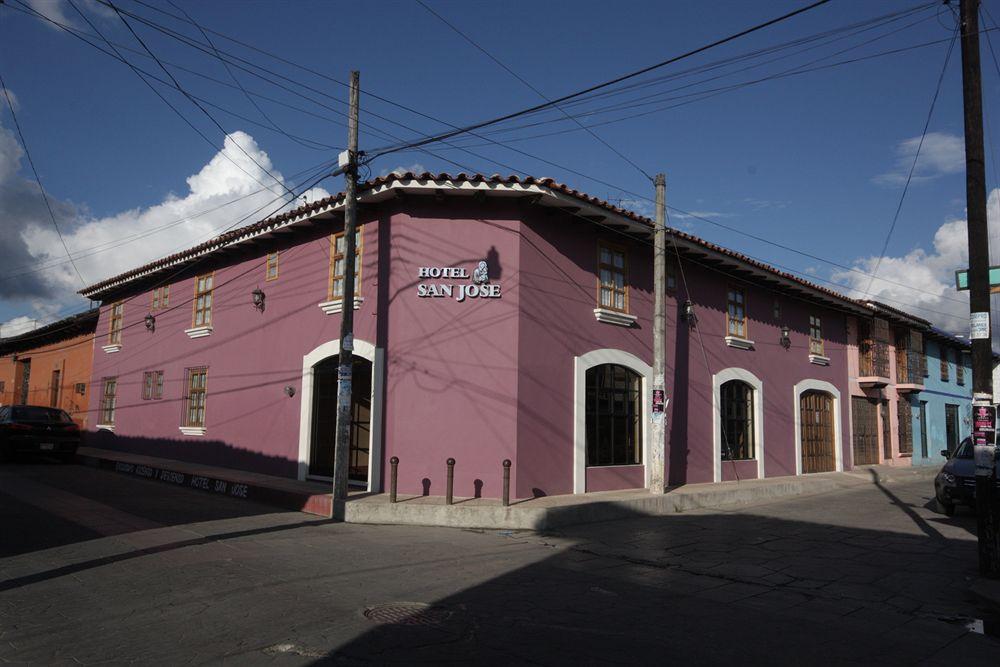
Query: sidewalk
(524, 514)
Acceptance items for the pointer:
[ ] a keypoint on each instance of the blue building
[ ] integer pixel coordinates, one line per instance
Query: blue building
(942, 410)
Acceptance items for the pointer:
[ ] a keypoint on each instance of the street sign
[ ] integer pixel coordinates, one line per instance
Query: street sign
(962, 279)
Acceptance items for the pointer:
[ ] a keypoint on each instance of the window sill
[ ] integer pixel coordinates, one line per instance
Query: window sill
(105, 427)
(614, 317)
(193, 430)
(199, 332)
(739, 343)
(819, 360)
(337, 305)
(619, 465)
(111, 349)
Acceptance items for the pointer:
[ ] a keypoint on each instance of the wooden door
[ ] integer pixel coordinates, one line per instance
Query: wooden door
(951, 426)
(816, 414)
(886, 430)
(864, 419)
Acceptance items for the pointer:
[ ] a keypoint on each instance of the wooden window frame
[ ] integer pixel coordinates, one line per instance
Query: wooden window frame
(732, 448)
(272, 261)
(670, 277)
(159, 298)
(816, 335)
(959, 369)
(624, 291)
(943, 354)
(334, 256)
(152, 385)
(107, 415)
(745, 335)
(116, 316)
(190, 392)
(205, 311)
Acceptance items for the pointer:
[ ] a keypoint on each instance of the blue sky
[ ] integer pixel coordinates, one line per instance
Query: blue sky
(814, 162)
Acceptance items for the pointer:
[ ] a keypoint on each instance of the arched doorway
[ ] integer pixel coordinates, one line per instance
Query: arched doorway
(818, 439)
(324, 420)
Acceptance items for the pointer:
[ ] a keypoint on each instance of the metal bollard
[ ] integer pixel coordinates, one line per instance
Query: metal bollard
(394, 462)
(506, 482)
(451, 481)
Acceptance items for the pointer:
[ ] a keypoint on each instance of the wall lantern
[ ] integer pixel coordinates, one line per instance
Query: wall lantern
(786, 341)
(258, 299)
(289, 391)
(150, 322)
(689, 314)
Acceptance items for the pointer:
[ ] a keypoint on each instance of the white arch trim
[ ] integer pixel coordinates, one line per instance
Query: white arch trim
(718, 380)
(838, 449)
(581, 365)
(376, 356)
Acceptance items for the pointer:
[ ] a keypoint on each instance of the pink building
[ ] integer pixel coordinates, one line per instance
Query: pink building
(495, 318)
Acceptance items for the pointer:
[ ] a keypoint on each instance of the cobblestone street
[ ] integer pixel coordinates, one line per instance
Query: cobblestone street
(98, 567)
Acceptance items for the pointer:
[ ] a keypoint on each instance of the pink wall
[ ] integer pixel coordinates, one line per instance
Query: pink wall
(478, 381)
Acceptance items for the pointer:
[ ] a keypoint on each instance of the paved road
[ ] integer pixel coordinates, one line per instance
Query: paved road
(99, 567)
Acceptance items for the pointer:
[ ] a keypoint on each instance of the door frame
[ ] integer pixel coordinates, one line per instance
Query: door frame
(376, 356)
(817, 385)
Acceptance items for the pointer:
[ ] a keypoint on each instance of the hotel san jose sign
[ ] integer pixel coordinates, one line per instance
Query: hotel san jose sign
(441, 282)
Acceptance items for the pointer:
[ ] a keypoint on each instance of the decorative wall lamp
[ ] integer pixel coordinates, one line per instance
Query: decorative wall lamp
(150, 322)
(689, 315)
(258, 299)
(786, 341)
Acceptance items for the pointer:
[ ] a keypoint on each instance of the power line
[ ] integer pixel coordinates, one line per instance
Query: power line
(916, 156)
(186, 94)
(536, 90)
(619, 79)
(38, 179)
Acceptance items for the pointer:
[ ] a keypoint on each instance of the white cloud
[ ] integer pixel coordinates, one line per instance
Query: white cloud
(415, 168)
(5, 94)
(110, 245)
(922, 282)
(700, 214)
(53, 9)
(941, 154)
(17, 326)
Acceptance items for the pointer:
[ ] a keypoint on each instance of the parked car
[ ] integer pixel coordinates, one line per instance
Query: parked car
(32, 429)
(956, 483)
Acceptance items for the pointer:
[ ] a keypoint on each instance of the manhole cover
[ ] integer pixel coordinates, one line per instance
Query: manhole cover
(407, 613)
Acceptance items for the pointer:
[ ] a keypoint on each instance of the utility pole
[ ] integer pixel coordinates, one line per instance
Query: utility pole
(656, 449)
(342, 444)
(979, 293)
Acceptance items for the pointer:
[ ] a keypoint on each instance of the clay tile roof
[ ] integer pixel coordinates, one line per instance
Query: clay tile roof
(497, 179)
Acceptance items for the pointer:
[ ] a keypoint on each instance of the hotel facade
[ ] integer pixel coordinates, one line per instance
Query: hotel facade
(495, 319)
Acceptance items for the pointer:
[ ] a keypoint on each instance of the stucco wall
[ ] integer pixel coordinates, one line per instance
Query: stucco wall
(937, 393)
(72, 357)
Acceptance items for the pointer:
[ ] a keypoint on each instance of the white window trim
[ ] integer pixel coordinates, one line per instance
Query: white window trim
(105, 427)
(718, 380)
(614, 317)
(580, 366)
(199, 332)
(739, 343)
(192, 430)
(838, 449)
(111, 349)
(365, 350)
(819, 360)
(337, 305)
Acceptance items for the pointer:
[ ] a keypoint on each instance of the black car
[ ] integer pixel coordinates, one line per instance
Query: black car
(956, 483)
(32, 429)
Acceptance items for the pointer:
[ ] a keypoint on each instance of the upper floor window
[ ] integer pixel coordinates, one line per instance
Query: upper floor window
(271, 272)
(203, 300)
(612, 278)
(338, 253)
(197, 386)
(777, 309)
(108, 400)
(671, 277)
(944, 362)
(959, 368)
(815, 335)
(924, 365)
(873, 345)
(736, 313)
(117, 320)
(161, 298)
(152, 385)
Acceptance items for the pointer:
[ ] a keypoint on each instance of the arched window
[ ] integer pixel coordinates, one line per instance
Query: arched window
(737, 409)
(614, 416)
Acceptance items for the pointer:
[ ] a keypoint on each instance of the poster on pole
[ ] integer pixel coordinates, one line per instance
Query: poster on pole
(984, 419)
(659, 405)
(979, 326)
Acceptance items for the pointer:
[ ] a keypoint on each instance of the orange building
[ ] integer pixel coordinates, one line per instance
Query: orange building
(50, 366)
